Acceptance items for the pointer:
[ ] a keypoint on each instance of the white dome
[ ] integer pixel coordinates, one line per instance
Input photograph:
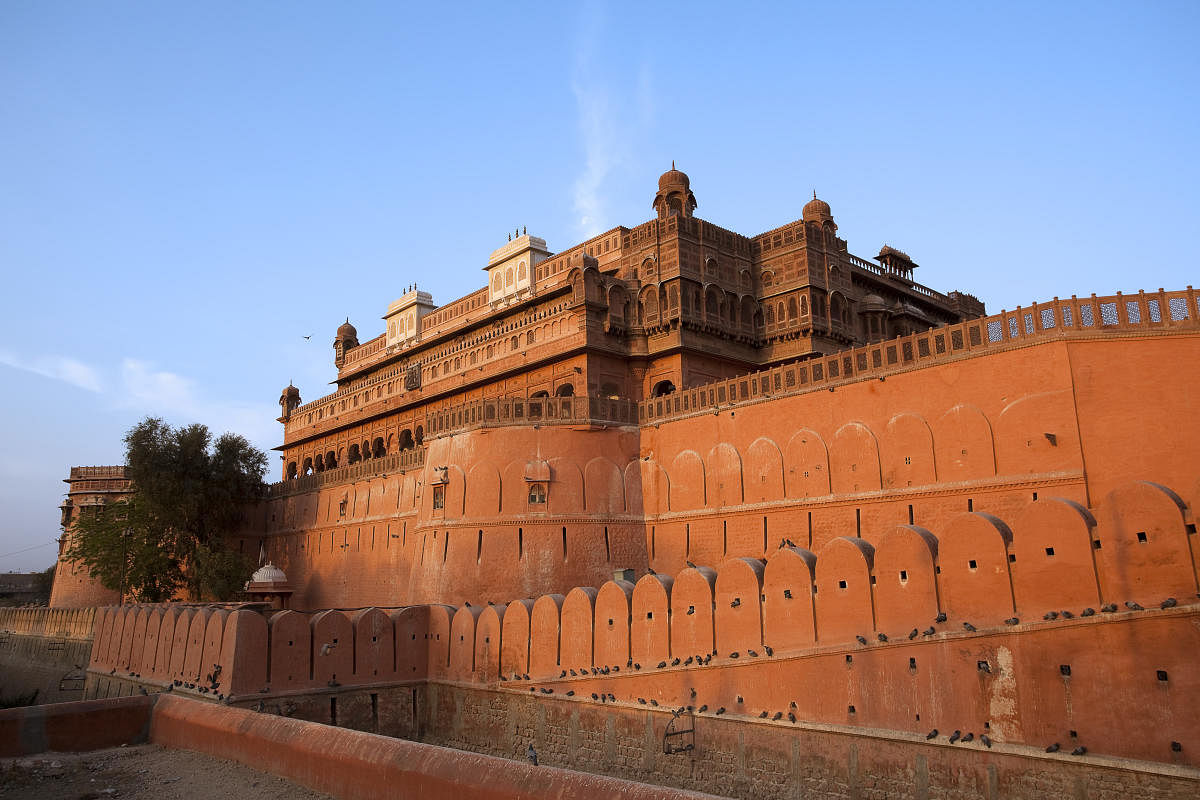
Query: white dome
(268, 573)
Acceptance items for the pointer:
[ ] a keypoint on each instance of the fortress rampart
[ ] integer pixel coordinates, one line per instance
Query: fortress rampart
(1071, 399)
(1061, 624)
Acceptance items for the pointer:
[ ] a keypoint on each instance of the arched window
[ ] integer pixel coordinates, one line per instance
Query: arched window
(377, 447)
(319, 464)
(662, 389)
(521, 271)
(366, 450)
(650, 304)
(330, 460)
(514, 343)
(420, 435)
(354, 457)
(791, 305)
(566, 390)
(804, 305)
(496, 284)
(406, 440)
(770, 314)
(539, 395)
(508, 277)
(291, 470)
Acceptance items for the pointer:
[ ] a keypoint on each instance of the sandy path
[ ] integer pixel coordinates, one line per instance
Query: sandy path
(144, 772)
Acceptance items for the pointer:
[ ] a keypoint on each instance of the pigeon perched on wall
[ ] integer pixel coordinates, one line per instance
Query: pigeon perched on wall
(531, 754)
(954, 737)
(933, 734)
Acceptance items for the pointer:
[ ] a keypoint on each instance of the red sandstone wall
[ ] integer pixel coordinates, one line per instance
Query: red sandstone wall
(74, 587)
(378, 540)
(782, 636)
(984, 434)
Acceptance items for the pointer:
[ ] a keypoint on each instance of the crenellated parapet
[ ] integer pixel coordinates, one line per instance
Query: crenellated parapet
(1022, 629)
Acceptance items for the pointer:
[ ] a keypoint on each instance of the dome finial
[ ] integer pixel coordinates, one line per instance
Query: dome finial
(672, 163)
(814, 194)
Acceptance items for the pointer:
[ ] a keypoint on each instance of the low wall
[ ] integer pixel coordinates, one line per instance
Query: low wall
(74, 727)
(747, 759)
(490, 731)
(45, 650)
(347, 764)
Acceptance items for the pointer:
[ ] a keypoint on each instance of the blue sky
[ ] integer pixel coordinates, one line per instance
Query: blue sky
(186, 190)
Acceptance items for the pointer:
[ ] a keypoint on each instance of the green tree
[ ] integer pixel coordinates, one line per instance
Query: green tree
(189, 494)
(44, 583)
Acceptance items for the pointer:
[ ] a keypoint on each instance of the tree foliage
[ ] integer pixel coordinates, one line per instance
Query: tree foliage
(171, 535)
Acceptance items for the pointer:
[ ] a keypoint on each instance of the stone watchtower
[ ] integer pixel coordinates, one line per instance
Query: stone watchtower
(346, 338)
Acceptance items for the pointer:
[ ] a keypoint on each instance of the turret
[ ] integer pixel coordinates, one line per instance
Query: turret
(346, 338)
(674, 196)
(289, 401)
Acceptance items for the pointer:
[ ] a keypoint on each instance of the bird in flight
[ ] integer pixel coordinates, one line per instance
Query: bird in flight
(306, 338)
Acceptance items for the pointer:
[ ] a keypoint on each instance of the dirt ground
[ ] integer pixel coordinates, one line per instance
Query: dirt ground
(144, 772)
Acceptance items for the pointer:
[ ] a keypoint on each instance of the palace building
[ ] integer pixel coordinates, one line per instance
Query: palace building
(754, 485)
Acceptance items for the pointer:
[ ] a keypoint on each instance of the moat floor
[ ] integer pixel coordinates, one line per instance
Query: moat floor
(144, 772)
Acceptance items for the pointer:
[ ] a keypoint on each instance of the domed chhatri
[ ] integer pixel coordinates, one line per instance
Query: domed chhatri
(268, 573)
(347, 337)
(269, 584)
(289, 399)
(674, 196)
(817, 210)
(347, 331)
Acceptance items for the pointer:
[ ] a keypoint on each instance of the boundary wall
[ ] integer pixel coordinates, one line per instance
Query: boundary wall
(732, 757)
(45, 649)
(347, 764)
(1062, 624)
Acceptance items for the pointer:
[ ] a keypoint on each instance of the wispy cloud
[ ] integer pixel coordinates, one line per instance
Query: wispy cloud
(59, 368)
(149, 390)
(139, 386)
(608, 118)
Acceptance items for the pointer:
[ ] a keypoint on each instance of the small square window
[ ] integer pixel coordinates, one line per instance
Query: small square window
(439, 496)
(537, 493)
(972, 564)
(1142, 537)
(841, 584)
(1049, 551)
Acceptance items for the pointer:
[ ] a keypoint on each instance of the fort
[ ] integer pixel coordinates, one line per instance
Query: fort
(743, 515)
